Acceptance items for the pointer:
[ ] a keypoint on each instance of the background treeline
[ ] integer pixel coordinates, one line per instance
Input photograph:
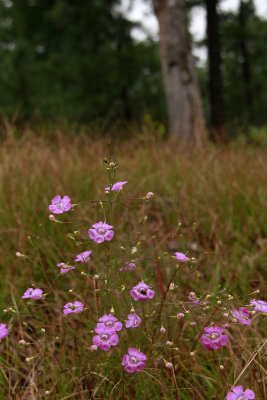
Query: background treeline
(77, 60)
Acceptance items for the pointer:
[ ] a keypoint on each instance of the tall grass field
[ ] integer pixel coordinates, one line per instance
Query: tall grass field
(209, 204)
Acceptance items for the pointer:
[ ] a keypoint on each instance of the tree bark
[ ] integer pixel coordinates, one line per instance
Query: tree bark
(186, 121)
(215, 74)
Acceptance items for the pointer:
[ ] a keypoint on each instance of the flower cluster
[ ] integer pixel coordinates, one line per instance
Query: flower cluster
(109, 331)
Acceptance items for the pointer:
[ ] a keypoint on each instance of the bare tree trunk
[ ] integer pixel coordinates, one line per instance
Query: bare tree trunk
(186, 119)
(215, 74)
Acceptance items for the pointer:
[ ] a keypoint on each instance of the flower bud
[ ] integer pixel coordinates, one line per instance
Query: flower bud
(192, 354)
(221, 367)
(52, 218)
(22, 342)
(168, 365)
(42, 330)
(162, 329)
(18, 254)
(169, 343)
(149, 195)
(93, 347)
(180, 315)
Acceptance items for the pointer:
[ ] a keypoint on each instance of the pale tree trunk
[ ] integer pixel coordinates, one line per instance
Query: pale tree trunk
(186, 121)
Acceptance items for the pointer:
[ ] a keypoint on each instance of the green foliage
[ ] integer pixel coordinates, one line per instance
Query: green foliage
(75, 59)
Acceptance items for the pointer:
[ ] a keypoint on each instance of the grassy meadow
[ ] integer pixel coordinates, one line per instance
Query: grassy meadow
(210, 202)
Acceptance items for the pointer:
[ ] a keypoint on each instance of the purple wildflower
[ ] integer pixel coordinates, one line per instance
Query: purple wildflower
(194, 299)
(35, 294)
(64, 268)
(181, 257)
(237, 393)
(242, 315)
(116, 187)
(109, 321)
(59, 205)
(101, 232)
(134, 361)
(142, 292)
(133, 321)
(213, 337)
(106, 338)
(260, 305)
(76, 307)
(3, 331)
(83, 257)
(129, 267)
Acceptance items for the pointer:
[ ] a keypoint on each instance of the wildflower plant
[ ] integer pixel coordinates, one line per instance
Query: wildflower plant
(122, 316)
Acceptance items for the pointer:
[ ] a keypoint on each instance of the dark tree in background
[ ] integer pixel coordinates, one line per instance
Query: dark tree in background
(215, 73)
(246, 8)
(76, 59)
(186, 121)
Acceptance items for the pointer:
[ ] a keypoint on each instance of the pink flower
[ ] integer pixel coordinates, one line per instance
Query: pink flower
(64, 268)
(133, 321)
(3, 331)
(134, 361)
(101, 232)
(109, 321)
(129, 267)
(83, 257)
(76, 307)
(181, 257)
(142, 292)
(214, 338)
(35, 294)
(260, 305)
(59, 205)
(116, 187)
(195, 301)
(242, 315)
(238, 394)
(106, 338)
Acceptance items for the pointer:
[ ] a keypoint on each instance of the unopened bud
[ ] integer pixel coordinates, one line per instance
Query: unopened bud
(234, 320)
(42, 330)
(219, 302)
(162, 329)
(52, 218)
(180, 315)
(112, 165)
(93, 347)
(22, 342)
(134, 250)
(169, 343)
(226, 315)
(18, 254)
(149, 195)
(172, 286)
(221, 367)
(168, 365)
(192, 354)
